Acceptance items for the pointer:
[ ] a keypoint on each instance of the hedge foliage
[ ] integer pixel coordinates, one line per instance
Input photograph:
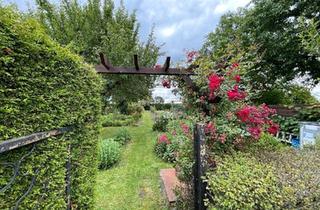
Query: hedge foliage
(243, 183)
(44, 86)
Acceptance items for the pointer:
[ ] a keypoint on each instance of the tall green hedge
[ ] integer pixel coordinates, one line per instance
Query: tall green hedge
(44, 86)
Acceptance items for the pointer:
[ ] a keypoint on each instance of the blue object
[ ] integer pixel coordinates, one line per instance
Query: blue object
(295, 143)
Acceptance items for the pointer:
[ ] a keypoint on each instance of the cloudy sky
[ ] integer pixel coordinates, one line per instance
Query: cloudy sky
(180, 24)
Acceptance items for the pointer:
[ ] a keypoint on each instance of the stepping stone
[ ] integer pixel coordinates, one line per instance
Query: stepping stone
(169, 182)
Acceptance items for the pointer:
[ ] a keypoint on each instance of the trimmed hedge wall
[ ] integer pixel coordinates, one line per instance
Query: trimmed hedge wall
(44, 86)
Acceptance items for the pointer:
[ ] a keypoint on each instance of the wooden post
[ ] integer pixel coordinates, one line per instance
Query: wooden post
(199, 167)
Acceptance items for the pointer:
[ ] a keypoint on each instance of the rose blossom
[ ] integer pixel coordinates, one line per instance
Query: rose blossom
(235, 94)
(214, 82)
(274, 128)
(163, 139)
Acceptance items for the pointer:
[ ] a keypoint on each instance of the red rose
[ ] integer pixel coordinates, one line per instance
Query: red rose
(163, 139)
(273, 129)
(235, 94)
(215, 82)
(209, 128)
(185, 128)
(244, 114)
(255, 132)
(237, 78)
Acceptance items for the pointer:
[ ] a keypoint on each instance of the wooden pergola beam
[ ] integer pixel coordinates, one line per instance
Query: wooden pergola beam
(106, 68)
(101, 69)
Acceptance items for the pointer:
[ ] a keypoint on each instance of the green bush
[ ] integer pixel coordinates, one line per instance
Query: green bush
(287, 124)
(122, 136)
(109, 153)
(42, 87)
(117, 120)
(298, 171)
(184, 161)
(161, 106)
(160, 123)
(291, 124)
(267, 142)
(135, 110)
(240, 182)
(160, 149)
(274, 96)
(293, 94)
(309, 114)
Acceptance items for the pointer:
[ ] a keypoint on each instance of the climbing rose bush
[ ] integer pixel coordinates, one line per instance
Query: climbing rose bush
(257, 119)
(222, 101)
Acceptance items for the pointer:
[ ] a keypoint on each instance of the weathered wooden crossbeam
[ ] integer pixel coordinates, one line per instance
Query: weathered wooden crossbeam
(142, 70)
(106, 68)
(25, 140)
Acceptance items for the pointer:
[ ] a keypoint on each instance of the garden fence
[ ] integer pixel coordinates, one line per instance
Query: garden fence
(32, 140)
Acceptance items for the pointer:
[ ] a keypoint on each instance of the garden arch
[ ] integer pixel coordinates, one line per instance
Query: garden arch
(199, 136)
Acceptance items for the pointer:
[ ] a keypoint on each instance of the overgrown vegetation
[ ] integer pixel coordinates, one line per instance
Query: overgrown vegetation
(44, 86)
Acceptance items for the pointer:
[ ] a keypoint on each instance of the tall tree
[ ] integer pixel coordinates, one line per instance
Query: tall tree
(273, 27)
(97, 26)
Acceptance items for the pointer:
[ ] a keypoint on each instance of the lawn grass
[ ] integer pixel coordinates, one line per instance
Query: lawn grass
(134, 182)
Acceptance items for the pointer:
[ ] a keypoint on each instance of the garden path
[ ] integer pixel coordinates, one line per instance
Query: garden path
(134, 182)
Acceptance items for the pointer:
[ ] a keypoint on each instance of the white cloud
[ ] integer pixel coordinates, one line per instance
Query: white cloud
(229, 5)
(167, 31)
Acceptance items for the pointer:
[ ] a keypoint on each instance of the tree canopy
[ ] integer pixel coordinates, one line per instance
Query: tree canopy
(97, 26)
(272, 27)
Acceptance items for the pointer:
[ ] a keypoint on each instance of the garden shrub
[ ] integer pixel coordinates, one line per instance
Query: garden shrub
(135, 110)
(298, 171)
(165, 107)
(165, 148)
(114, 119)
(311, 113)
(288, 124)
(291, 124)
(293, 94)
(185, 160)
(160, 123)
(267, 142)
(122, 136)
(109, 153)
(43, 87)
(160, 148)
(240, 182)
